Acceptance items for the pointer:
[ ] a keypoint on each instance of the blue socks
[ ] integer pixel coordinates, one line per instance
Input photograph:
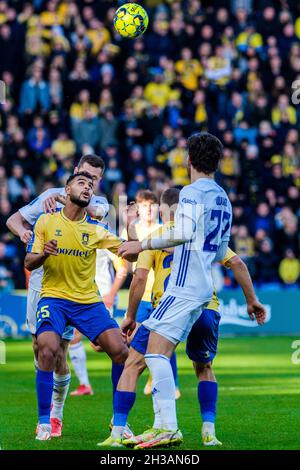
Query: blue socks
(116, 372)
(173, 362)
(207, 397)
(123, 402)
(44, 390)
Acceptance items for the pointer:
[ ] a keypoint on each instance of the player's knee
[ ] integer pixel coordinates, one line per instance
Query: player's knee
(61, 365)
(135, 365)
(136, 369)
(202, 368)
(119, 357)
(47, 356)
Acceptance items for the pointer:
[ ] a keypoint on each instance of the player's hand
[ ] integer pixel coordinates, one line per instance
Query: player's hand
(131, 216)
(49, 205)
(257, 311)
(108, 300)
(130, 250)
(25, 236)
(128, 326)
(50, 248)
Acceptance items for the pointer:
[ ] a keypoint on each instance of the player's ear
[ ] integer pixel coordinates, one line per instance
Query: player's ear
(67, 189)
(76, 170)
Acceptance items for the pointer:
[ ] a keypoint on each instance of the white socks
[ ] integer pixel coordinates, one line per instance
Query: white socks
(208, 427)
(78, 357)
(157, 417)
(163, 390)
(61, 385)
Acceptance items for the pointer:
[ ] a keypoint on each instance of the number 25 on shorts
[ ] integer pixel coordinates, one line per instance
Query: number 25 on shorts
(43, 312)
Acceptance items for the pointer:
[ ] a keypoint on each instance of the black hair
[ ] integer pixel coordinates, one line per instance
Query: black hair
(93, 160)
(170, 196)
(205, 152)
(75, 175)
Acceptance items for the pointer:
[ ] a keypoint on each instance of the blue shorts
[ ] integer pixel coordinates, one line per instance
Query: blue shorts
(202, 341)
(144, 311)
(90, 319)
(140, 340)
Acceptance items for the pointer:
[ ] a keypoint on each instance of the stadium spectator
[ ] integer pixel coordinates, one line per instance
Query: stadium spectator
(35, 94)
(266, 263)
(289, 268)
(73, 85)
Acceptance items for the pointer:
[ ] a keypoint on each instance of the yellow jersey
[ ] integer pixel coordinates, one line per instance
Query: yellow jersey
(143, 232)
(71, 274)
(161, 263)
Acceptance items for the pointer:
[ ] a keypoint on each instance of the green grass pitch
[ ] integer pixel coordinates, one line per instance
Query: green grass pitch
(258, 408)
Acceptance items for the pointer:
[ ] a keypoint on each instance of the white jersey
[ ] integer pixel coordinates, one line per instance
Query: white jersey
(207, 205)
(105, 272)
(32, 211)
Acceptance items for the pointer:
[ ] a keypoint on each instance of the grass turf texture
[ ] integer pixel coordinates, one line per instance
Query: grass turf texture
(258, 399)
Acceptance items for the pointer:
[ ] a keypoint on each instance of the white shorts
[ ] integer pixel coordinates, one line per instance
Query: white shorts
(33, 297)
(174, 317)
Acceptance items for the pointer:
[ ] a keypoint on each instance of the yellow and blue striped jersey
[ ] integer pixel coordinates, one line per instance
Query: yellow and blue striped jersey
(161, 263)
(71, 274)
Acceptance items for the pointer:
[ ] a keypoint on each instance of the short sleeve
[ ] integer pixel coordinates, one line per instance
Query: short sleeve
(229, 254)
(37, 242)
(107, 240)
(146, 260)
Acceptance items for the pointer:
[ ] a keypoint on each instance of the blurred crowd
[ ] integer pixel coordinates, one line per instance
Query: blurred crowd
(73, 87)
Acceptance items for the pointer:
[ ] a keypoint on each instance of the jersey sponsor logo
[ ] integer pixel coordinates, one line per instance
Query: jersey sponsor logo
(189, 201)
(85, 238)
(72, 252)
(58, 233)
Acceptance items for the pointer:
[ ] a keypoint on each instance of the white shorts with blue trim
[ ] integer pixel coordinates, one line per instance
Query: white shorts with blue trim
(174, 317)
(33, 298)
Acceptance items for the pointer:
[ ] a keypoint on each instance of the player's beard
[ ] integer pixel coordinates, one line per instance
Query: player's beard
(79, 202)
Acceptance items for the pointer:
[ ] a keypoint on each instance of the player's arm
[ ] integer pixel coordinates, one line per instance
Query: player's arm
(37, 249)
(35, 260)
(19, 227)
(131, 219)
(110, 241)
(137, 289)
(20, 223)
(136, 292)
(254, 307)
(186, 218)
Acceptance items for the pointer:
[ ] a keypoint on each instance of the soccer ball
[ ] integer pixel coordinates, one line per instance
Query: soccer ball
(131, 20)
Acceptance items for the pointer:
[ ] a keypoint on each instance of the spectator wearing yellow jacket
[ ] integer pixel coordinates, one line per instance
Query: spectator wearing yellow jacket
(289, 268)
(157, 92)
